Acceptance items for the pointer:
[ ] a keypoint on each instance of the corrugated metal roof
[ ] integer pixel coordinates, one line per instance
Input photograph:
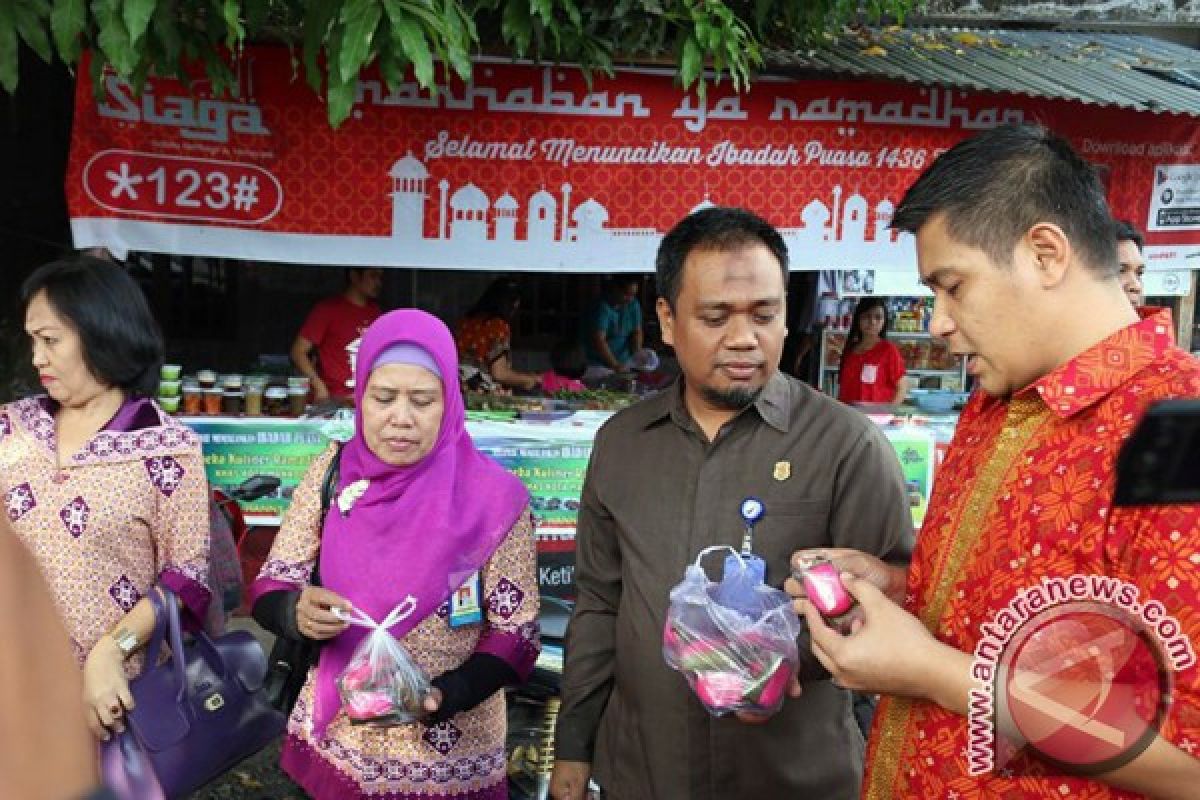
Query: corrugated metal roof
(1106, 69)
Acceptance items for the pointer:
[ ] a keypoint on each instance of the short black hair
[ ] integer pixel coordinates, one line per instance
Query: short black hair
(620, 280)
(996, 185)
(122, 343)
(719, 228)
(1127, 233)
(567, 359)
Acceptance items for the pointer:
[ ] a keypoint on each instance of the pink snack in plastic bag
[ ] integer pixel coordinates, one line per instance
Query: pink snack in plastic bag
(736, 659)
(382, 685)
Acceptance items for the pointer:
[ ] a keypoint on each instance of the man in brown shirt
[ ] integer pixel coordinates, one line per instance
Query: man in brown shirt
(666, 479)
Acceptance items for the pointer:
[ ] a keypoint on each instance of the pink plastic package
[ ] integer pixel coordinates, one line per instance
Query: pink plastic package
(382, 685)
(734, 659)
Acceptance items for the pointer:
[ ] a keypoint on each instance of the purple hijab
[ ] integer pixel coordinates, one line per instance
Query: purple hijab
(419, 530)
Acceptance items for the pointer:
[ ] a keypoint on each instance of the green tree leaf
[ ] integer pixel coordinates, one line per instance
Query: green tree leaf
(33, 31)
(691, 61)
(318, 21)
(113, 38)
(167, 34)
(8, 47)
(231, 12)
(136, 15)
(359, 20)
(67, 21)
(411, 38)
(517, 25)
(341, 100)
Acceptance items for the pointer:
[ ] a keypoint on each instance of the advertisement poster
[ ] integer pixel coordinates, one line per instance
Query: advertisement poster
(236, 449)
(550, 459)
(532, 168)
(917, 450)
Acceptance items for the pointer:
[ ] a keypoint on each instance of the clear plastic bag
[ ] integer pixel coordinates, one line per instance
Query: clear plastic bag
(382, 686)
(734, 641)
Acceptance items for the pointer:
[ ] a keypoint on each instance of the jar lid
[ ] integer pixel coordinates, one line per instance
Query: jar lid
(276, 392)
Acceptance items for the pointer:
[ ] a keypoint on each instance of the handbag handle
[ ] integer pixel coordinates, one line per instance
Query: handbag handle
(166, 614)
(160, 630)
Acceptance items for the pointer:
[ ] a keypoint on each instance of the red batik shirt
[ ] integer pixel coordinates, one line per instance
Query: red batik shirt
(1025, 494)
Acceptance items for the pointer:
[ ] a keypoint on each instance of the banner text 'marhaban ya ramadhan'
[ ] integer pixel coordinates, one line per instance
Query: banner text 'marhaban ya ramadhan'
(532, 168)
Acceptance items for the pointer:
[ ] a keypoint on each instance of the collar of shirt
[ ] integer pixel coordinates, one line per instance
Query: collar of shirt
(773, 405)
(1092, 375)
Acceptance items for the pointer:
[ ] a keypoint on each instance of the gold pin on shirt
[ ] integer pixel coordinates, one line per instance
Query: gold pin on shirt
(783, 470)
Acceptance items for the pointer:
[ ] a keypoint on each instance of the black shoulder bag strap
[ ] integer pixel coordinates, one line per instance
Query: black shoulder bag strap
(328, 487)
(291, 659)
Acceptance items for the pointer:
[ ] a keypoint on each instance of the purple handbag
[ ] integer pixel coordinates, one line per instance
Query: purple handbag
(198, 713)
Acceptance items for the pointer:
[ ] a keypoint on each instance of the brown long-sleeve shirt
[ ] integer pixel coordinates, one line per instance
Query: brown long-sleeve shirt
(657, 493)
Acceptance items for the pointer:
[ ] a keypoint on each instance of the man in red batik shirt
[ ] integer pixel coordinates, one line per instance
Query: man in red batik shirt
(332, 324)
(1015, 239)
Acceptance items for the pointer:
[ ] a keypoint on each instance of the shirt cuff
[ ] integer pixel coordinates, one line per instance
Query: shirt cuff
(194, 595)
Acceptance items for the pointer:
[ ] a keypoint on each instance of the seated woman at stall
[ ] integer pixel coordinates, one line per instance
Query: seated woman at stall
(484, 338)
(568, 365)
(107, 491)
(872, 369)
(418, 512)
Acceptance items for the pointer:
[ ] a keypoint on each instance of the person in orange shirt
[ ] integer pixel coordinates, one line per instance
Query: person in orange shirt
(1003, 626)
(484, 337)
(872, 369)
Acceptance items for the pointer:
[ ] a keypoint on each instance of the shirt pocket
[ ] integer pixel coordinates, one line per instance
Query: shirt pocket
(788, 526)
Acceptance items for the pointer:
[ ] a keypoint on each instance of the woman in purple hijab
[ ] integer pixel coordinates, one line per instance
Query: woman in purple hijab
(416, 512)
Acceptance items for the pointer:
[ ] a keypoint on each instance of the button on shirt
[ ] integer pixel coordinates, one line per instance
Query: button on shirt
(656, 494)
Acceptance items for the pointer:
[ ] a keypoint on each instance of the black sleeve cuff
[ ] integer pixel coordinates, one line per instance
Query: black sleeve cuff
(479, 677)
(276, 611)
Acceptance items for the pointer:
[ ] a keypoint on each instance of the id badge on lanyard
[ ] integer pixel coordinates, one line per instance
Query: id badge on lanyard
(465, 607)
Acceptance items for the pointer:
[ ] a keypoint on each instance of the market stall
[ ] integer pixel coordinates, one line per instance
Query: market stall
(533, 168)
(549, 455)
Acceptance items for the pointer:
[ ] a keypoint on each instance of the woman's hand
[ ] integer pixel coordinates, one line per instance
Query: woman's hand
(314, 613)
(432, 701)
(106, 694)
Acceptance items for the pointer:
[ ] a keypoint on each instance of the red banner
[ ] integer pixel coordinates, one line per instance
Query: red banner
(529, 168)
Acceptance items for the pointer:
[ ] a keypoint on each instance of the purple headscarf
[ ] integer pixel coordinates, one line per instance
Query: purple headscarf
(419, 530)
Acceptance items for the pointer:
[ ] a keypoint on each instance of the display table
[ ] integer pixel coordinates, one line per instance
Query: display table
(549, 455)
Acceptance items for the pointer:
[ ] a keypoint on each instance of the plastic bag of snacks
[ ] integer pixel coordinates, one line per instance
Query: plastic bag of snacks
(382, 685)
(734, 641)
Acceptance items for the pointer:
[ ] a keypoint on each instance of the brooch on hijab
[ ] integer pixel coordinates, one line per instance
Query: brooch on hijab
(349, 495)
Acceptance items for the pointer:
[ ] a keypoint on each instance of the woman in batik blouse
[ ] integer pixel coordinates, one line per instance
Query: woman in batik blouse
(106, 491)
(417, 513)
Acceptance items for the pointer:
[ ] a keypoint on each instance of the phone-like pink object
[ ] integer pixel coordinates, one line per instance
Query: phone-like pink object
(823, 585)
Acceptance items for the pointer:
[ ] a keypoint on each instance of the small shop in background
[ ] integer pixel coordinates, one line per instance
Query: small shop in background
(931, 365)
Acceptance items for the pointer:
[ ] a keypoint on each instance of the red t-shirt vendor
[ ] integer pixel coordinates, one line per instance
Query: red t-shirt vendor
(872, 369)
(332, 324)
